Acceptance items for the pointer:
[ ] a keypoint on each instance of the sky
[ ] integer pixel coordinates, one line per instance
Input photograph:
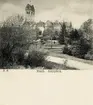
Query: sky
(76, 11)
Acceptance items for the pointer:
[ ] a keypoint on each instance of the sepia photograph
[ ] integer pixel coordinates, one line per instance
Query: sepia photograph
(46, 52)
(46, 34)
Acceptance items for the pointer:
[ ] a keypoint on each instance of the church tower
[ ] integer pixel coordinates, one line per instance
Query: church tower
(30, 12)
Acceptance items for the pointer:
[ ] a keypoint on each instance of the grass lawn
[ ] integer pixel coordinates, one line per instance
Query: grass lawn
(46, 66)
(52, 65)
(56, 51)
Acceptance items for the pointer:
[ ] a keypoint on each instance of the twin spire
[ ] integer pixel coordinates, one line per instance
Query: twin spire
(30, 11)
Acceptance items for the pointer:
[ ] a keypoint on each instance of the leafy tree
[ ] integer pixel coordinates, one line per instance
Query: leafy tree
(62, 34)
(84, 46)
(80, 47)
(56, 35)
(16, 20)
(48, 34)
(13, 40)
(74, 35)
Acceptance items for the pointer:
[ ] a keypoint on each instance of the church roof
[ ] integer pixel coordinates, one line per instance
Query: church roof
(28, 6)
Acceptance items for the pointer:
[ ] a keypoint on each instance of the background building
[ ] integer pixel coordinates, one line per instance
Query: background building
(30, 12)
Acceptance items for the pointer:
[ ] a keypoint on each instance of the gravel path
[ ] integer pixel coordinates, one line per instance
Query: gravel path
(70, 63)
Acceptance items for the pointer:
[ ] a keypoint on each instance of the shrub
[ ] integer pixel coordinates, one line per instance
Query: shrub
(67, 50)
(12, 39)
(19, 57)
(75, 49)
(62, 34)
(48, 65)
(89, 55)
(74, 35)
(78, 48)
(35, 58)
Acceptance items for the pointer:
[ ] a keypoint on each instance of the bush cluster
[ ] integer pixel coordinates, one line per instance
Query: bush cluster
(77, 42)
(89, 55)
(15, 41)
(78, 49)
(35, 58)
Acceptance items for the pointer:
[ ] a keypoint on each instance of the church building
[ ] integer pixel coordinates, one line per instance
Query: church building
(30, 12)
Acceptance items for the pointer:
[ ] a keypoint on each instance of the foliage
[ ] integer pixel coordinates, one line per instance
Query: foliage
(48, 34)
(15, 20)
(86, 27)
(62, 34)
(89, 55)
(78, 48)
(74, 35)
(12, 39)
(67, 50)
(19, 57)
(35, 58)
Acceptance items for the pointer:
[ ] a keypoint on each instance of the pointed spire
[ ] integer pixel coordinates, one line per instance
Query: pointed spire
(30, 1)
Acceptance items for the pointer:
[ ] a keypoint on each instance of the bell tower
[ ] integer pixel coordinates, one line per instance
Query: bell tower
(30, 12)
